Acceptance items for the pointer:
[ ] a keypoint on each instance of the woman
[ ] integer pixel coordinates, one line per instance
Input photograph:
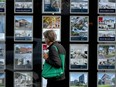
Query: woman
(52, 57)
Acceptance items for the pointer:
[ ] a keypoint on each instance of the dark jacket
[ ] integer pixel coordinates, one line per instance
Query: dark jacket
(54, 59)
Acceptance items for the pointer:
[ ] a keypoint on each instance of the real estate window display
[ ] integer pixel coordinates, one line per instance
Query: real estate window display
(23, 28)
(106, 46)
(82, 36)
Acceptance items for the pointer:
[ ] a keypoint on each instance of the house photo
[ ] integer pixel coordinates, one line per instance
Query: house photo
(106, 35)
(78, 79)
(106, 22)
(23, 23)
(107, 6)
(23, 56)
(79, 28)
(23, 6)
(78, 56)
(106, 57)
(23, 35)
(106, 79)
(23, 79)
(23, 48)
(79, 6)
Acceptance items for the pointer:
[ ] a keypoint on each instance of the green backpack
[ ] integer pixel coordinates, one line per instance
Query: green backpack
(52, 72)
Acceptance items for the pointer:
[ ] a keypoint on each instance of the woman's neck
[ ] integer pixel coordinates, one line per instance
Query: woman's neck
(50, 43)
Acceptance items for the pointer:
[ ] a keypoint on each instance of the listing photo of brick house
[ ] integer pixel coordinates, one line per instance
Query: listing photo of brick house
(23, 56)
(78, 79)
(23, 22)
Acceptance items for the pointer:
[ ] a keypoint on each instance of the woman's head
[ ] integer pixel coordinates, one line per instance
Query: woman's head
(50, 36)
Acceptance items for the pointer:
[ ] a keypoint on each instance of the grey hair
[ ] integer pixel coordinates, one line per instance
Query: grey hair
(51, 35)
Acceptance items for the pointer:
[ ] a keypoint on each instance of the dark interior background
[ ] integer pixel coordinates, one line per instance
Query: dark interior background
(37, 32)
